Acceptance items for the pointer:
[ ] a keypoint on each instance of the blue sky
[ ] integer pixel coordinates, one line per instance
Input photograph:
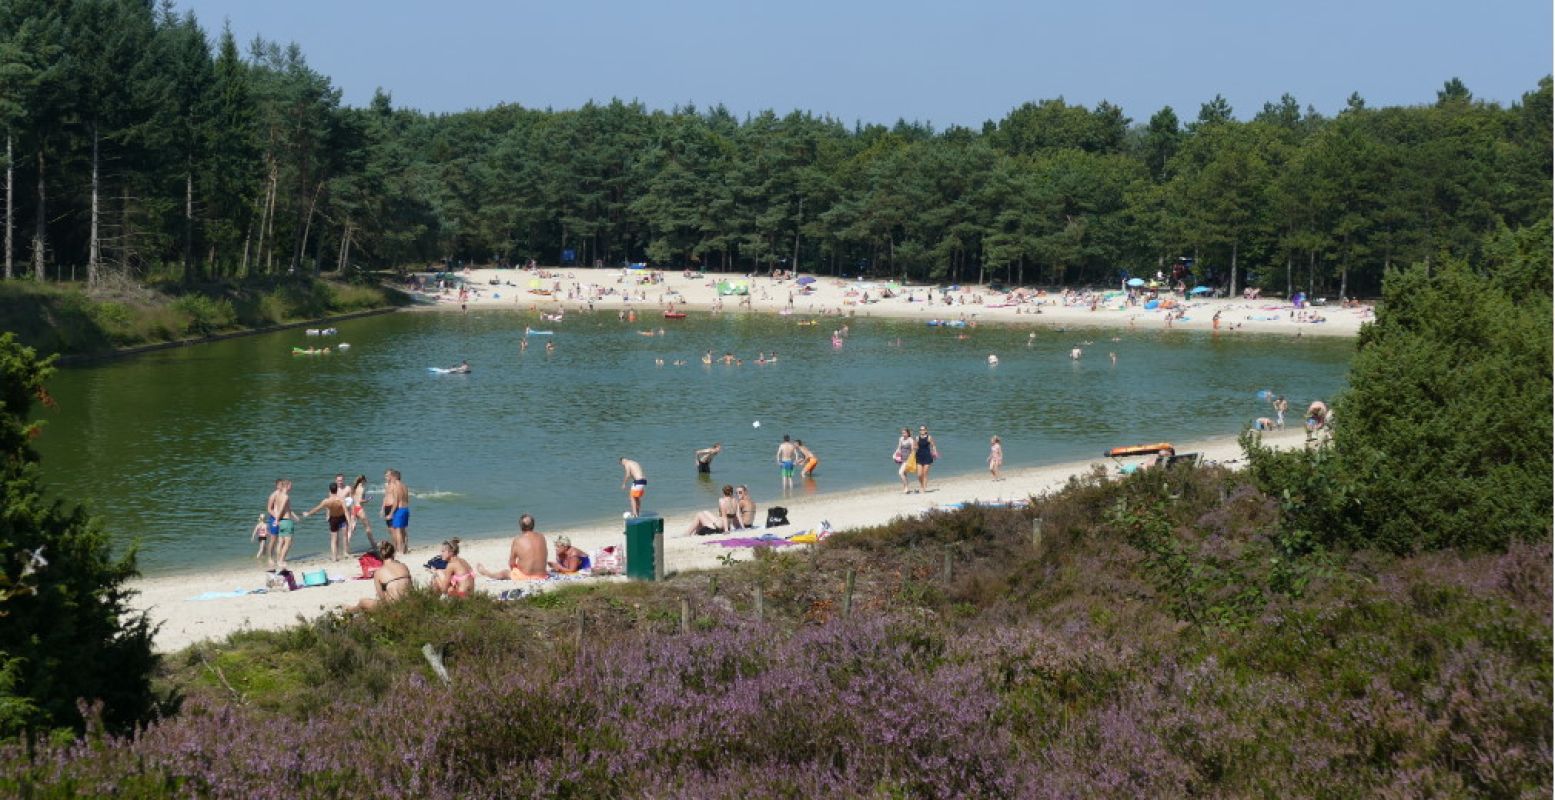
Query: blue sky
(942, 62)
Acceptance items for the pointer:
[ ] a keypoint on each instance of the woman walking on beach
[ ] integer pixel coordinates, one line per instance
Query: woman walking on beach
(358, 513)
(995, 457)
(904, 457)
(926, 455)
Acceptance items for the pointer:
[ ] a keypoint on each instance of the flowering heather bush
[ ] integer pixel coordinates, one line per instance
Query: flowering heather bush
(1064, 673)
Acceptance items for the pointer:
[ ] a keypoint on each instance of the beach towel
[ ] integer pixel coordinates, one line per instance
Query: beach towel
(767, 540)
(224, 595)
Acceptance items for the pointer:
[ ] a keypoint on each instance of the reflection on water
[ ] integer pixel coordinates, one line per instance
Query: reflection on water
(178, 449)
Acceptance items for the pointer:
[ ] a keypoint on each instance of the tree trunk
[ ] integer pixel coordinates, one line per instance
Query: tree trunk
(265, 255)
(94, 249)
(345, 250)
(1289, 285)
(10, 221)
(248, 236)
(189, 220)
(307, 228)
(1311, 271)
(40, 229)
(1232, 291)
(126, 239)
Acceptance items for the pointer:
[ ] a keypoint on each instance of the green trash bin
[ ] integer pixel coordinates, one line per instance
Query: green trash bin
(645, 547)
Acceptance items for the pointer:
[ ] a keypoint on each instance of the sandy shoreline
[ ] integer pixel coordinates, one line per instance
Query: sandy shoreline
(831, 296)
(174, 602)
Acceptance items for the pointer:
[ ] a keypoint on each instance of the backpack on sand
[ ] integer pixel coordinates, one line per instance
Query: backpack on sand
(776, 516)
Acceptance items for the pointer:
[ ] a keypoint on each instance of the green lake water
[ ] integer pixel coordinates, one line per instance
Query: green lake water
(178, 449)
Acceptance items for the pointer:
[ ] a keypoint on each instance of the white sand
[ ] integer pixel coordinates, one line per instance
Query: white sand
(184, 620)
(830, 296)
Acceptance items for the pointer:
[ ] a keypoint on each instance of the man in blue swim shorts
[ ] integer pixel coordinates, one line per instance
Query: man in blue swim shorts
(786, 453)
(280, 519)
(396, 510)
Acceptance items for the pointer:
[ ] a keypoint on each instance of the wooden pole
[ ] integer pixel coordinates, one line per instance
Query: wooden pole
(712, 585)
(761, 610)
(1036, 535)
(685, 615)
(847, 595)
(946, 575)
(577, 634)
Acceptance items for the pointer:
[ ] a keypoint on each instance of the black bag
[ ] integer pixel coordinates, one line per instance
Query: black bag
(776, 516)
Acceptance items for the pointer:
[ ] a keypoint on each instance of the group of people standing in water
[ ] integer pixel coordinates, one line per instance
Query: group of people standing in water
(345, 508)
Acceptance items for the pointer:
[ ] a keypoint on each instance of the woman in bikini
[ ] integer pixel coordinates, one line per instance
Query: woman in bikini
(356, 506)
(723, 520)
(742, 497)
(903, 457)
(391, 581)
(456, 578)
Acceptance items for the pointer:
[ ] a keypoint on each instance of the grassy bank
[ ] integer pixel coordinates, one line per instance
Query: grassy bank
(72, 320)
(1159, 640)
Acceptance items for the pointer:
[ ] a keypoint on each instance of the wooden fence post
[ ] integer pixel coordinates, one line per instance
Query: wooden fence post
(847, 595)
(761, 609)
(685, 615)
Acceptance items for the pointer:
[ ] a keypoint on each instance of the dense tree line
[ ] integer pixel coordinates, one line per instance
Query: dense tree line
(138, 145)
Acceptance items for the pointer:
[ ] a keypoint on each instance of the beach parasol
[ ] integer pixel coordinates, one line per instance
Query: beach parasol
(805, 281)
(1200, 290)
(1136, 282)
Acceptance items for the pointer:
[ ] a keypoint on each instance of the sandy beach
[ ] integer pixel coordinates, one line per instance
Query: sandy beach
(212, 605)
(569, 289)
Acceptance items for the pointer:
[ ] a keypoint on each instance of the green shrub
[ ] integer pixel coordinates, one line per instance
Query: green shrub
(205, 315)
(68, 636)
(1443, 438)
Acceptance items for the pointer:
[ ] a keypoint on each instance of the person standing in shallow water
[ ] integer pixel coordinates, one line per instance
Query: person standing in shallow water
(926, 454)
(396, 510)
(786, 454)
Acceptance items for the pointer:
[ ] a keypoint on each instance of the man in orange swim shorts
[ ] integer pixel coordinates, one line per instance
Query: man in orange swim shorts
(638, 482)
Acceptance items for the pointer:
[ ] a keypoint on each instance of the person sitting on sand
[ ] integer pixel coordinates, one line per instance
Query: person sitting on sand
(726, 518)
(391, 581)
(526, 556)
(569, 559)
(455, 579)
(1161, 459)
(747, 506)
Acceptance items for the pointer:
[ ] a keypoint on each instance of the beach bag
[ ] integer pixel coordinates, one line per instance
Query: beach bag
(315, 578)
(370, 564)
(912, 460)
(776, 516)
(609, 561)
(897, 456)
